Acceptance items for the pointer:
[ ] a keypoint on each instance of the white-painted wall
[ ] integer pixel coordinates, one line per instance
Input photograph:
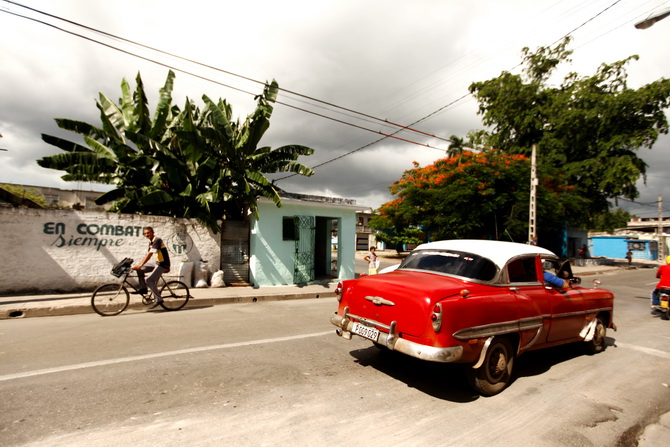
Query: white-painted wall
(63, 250)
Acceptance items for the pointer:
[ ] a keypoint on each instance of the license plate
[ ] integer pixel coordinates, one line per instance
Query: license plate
(664, 304)
(365, 331)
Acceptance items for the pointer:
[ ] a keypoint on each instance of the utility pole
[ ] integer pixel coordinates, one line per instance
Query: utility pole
(532, 233)
(661, 251)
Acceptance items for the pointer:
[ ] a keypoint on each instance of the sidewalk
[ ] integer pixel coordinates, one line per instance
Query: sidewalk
(24, 306)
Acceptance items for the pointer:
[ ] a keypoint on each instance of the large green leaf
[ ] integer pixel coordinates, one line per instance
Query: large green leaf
(64, 144)
(112, 118)
(218, 116)
(110, 196)
(156, 198)
(127, 106)
(82, 128)
(191, 163)
(100, 149)
(141, 112)
(163, 109)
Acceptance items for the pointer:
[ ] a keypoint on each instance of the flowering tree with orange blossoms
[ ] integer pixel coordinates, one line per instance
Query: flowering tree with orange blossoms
(591, 126)
(477, 195)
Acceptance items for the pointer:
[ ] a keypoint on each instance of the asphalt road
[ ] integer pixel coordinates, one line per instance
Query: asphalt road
(276, 374)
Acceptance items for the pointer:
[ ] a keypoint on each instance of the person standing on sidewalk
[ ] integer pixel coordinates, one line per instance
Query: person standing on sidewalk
(373, 261)
(157, 268)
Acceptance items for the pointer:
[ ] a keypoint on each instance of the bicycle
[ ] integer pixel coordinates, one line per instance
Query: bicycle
(113, 298)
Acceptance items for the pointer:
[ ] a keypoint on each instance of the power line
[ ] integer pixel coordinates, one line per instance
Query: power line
(386, 122)
(449, 104)
(385, 135)
(113, 36)
(589, 20)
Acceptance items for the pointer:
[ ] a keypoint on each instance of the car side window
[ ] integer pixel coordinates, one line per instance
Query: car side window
(522, 270)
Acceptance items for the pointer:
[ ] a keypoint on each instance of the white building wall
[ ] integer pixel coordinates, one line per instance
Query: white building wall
(63, 250)
(272, 259)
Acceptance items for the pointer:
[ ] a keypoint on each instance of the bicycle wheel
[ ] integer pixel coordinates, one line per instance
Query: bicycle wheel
(175, 295)
(110, 299)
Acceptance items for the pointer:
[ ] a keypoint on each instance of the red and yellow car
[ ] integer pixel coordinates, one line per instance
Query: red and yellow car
(476, 302)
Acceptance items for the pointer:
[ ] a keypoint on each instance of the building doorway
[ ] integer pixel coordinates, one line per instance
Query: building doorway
(326, 261)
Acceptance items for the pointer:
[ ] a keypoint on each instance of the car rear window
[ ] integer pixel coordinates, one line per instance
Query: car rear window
(451, 262)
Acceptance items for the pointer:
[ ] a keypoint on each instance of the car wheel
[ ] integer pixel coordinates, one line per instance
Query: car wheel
(597, 343)
(495, 373)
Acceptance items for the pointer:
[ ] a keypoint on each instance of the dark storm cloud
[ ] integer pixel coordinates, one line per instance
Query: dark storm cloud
(394, 60)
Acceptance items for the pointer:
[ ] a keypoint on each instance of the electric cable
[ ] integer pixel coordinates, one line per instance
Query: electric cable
(172, 67)
(384, 135)
(113, 36)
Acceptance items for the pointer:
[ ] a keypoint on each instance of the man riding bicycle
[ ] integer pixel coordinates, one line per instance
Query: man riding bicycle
(157, 268)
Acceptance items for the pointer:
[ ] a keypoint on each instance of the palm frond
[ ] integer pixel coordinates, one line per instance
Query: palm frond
(63, 144)
(141, 114)
(164, 108)
(81, 128)
(112, 119)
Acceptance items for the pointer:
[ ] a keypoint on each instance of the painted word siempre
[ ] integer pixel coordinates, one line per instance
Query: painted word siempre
(87, 230)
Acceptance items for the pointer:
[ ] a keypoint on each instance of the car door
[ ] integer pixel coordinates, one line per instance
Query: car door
(560, 311)
(534, 303)
(567, 307)
(567, 318)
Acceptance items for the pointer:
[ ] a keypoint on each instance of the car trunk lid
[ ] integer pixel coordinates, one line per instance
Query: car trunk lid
(404, 296)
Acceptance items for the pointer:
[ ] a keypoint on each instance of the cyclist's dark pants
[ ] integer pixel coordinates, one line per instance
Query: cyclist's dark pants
(152, 280)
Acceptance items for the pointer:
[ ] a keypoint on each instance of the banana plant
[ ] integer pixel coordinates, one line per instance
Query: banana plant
(182, 163)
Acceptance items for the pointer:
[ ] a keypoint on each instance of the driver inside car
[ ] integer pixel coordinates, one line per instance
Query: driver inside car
(555, 281)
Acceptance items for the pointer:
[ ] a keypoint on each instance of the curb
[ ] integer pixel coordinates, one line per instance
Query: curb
(24, 311)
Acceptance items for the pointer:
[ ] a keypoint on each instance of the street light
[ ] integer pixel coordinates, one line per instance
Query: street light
(653, 18)
(644, 24)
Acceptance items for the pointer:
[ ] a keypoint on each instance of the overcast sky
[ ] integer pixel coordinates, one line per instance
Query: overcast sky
(396, 60)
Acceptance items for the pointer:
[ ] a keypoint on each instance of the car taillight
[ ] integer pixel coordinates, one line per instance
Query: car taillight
(338, 291)
(436, 317)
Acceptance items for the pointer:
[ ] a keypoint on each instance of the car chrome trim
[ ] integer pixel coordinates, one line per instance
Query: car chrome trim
(582, 312)
(530, 344)
(526, 324)
(589, 330)
(506, 327)
(369, 322)
(378, 301)
(482, 354)
(394, 342)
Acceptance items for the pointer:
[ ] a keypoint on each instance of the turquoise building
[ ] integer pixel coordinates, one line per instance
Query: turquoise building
(293, 244)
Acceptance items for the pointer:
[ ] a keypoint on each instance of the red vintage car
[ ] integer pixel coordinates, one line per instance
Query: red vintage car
(476, 302)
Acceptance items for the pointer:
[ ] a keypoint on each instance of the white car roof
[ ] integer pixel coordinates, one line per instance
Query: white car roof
(497, 251)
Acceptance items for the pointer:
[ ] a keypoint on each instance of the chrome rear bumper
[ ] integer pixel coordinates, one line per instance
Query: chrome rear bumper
(392, 341)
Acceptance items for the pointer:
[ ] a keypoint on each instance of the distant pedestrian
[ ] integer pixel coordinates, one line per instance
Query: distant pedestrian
(373, 261)
(629, 256)
(583, 251)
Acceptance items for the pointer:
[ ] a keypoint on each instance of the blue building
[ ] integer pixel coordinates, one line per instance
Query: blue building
(617, 247)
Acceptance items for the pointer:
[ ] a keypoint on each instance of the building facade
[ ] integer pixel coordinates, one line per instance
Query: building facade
(69, 250)
(293, 244)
